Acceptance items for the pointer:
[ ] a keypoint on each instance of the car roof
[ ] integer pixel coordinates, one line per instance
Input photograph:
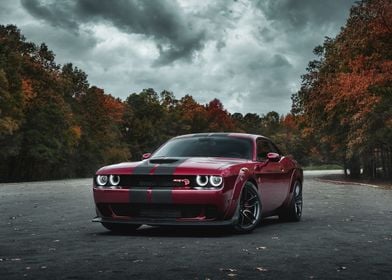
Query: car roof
(230, 134)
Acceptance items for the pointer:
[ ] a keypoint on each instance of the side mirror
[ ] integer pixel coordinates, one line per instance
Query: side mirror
(273, 157)
(146, 156)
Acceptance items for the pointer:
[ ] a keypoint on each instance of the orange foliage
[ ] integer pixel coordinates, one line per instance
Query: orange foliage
(114, 108)
(289, 121)
(218, 117)
(344, 93)
(28, 92)
(76, 131)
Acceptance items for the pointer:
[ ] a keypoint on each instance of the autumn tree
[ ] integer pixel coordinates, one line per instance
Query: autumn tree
(218, 117)
(101, 140)
(12, 49)
(193, 115)
(52, 124)
(346, 94)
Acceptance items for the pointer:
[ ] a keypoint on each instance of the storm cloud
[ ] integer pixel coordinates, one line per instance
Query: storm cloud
(175, 36)
(249, 54)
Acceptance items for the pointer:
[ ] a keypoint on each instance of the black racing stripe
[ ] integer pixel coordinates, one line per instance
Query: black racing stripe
(138, 195)
(209, 134)
(168, 168)
(143, 169)
(200, 135)
(219, 134)
(161, 196)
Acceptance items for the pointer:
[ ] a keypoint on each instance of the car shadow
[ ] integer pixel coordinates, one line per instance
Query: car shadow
(174, 231)
(186, 231)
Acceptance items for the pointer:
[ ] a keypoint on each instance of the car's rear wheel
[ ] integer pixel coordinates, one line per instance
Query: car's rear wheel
(120, 228)
(293, 212)
(249, 207)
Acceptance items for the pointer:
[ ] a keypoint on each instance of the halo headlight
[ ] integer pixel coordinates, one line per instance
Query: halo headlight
(114, 180)
(216, 181)
(102, 180)
(202, 180)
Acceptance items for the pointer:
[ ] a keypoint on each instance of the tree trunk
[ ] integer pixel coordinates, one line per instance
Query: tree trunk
(355, 167)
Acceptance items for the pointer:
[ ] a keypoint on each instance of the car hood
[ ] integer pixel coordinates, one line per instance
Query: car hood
(171, 166)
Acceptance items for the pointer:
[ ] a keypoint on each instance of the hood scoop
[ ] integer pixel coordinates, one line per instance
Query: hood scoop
(163, 160)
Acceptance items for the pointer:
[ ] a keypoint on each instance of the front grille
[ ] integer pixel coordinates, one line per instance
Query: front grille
(154, 181)
(157, 210)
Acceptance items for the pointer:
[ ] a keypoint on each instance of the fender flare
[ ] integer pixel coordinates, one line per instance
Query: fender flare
(239, 184)
(296, 175)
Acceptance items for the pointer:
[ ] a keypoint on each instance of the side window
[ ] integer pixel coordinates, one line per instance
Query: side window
(273, 148)
(263, 148)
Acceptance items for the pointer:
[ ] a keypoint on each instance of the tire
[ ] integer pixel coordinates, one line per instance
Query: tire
(249, 209)
(120, 228)
(293, 212)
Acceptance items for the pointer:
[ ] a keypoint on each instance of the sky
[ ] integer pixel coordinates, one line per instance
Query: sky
(248, 54)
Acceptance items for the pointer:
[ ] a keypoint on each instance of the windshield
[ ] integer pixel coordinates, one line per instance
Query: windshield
(213, 146)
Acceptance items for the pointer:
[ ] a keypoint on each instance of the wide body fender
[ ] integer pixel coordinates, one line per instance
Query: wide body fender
(297, 175)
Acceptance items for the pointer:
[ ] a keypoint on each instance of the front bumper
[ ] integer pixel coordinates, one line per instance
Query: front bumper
(155, 206)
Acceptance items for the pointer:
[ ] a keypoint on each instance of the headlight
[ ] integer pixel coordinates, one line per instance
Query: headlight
(102, 180)
(202, 180)
(114, 180)
(216, 181)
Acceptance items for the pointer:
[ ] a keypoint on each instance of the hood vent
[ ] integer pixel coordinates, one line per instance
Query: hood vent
(163, 160)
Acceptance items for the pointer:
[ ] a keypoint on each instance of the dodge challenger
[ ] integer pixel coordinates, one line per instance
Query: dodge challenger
(232, 179)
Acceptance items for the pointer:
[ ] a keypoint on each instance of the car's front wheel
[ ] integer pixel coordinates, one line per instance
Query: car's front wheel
(249, 207)
(120, 228)
(293, 212)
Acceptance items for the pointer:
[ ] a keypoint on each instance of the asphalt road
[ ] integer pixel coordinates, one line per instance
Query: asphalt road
(46, 233)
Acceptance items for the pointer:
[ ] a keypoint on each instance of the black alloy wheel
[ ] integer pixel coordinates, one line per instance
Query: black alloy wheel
(293, 212)
(249, 209)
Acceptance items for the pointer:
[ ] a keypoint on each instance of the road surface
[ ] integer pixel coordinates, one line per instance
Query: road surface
(46, 233)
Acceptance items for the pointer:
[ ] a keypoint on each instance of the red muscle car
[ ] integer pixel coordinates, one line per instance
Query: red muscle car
(231, 179)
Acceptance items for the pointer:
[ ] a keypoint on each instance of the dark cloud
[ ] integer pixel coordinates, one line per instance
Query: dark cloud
(249, 54)
(294, 14)
(56, 13)
(175, 35)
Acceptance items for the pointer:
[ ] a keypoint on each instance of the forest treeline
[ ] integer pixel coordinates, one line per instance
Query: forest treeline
(54, 124)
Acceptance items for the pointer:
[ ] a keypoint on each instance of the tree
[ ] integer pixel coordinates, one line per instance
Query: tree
(52, 124)
(193, 115)
(218, 117)
(145, 127)
(101, 140)
(48, 139)
(344, 94)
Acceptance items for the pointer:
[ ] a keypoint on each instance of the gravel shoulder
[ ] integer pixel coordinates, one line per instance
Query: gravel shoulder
(46, 233)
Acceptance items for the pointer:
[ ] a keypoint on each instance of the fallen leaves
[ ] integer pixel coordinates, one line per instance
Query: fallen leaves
(230, 270)
(340, 268)
(261, 269)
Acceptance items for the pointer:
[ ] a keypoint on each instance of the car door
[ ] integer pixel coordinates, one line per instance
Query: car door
(270, 176)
